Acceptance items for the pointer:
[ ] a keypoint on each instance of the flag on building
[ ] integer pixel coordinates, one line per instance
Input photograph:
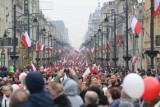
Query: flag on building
(37, 46)
(119, 41)
(135, 59)
(26, 40)
(136, 26)
(156, 8)
(109, 46)
(48, 48)
(76, 51)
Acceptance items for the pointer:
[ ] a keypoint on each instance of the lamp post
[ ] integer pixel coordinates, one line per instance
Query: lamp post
(107, 53)
(115, 59)
(95, 48)
(3, 57)
(37, 37)
(14, 57)
(152, 53)
(127, 57)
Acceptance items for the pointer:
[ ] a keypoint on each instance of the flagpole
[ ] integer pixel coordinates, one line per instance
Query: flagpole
(38, 59)
(14, 39)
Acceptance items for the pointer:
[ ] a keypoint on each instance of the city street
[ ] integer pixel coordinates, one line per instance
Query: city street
(68, 53)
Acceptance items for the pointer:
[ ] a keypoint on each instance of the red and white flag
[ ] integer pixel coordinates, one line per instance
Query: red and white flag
(135, 59)
(93, 50)
(33, 68)
(109, 46)
(119, 41)
(59, 51)
(156, 8)
(86, 63)
(42, 47)
(76, 51)
(26, 40)
(136, 26)
(86, 73)
(38, 47)
(48, 48)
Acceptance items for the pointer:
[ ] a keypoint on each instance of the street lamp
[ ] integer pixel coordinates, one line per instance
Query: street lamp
(3, 57)
(152, 53)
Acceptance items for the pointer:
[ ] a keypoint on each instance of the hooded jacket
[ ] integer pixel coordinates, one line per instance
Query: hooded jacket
(41, 99)
(71, 91)
(39, 96)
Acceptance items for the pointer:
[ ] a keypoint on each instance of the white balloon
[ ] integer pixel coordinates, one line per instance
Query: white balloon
(22, 75)
(133, 85)
(15, 87)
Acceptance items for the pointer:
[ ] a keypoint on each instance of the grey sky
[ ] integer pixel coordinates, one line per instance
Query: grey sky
(74, 13)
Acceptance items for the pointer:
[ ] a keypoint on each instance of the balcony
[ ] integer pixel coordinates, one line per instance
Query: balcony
(8, 42)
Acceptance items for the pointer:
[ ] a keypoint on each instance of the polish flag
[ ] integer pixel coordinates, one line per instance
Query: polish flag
(86, 73)
(109, 46)
(93, 50)
(26, 40)
(156, 8)
(86, 63)
(82, 48)
(59, 51)
(48, 48)
(86, 50)
(33, 68)
(64, 62)
(76, 51)
(135, 59)
(136, 26)
(42, 47)
(119, 41)
(38, 46)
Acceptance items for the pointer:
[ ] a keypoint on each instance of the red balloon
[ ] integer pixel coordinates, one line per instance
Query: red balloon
(20, 86)
(152, 88)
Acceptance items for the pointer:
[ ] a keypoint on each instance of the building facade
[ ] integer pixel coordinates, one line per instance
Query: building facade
(35, 24)
(147, 46)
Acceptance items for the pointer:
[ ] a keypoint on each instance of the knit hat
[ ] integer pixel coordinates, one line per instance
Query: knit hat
(34, 82)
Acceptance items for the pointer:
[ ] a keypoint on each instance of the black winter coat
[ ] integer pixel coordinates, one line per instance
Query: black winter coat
(62, 101)
(41, 99)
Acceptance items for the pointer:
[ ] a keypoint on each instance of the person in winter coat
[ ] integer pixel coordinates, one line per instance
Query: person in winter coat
(57, 92)
(91, 99)
(39, 96)
(7, 90)
(71, 91)
(126, 101)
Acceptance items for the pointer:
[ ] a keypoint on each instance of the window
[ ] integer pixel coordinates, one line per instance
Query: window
(157, 40)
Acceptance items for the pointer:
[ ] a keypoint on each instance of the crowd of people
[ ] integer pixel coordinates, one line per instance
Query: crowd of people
(67, 88)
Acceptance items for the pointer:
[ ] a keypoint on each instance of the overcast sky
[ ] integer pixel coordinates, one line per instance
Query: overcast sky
(74, 13)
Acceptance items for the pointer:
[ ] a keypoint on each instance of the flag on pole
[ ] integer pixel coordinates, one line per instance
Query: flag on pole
(76, 51)
(26, 40)
(93, 50)
(109, 46)
(48, 48)
(156, 8)
(33, 68)
(135, 59)
(37, 46)
(136, 26)
(42, 47)
(119, 41)
(86, 73)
